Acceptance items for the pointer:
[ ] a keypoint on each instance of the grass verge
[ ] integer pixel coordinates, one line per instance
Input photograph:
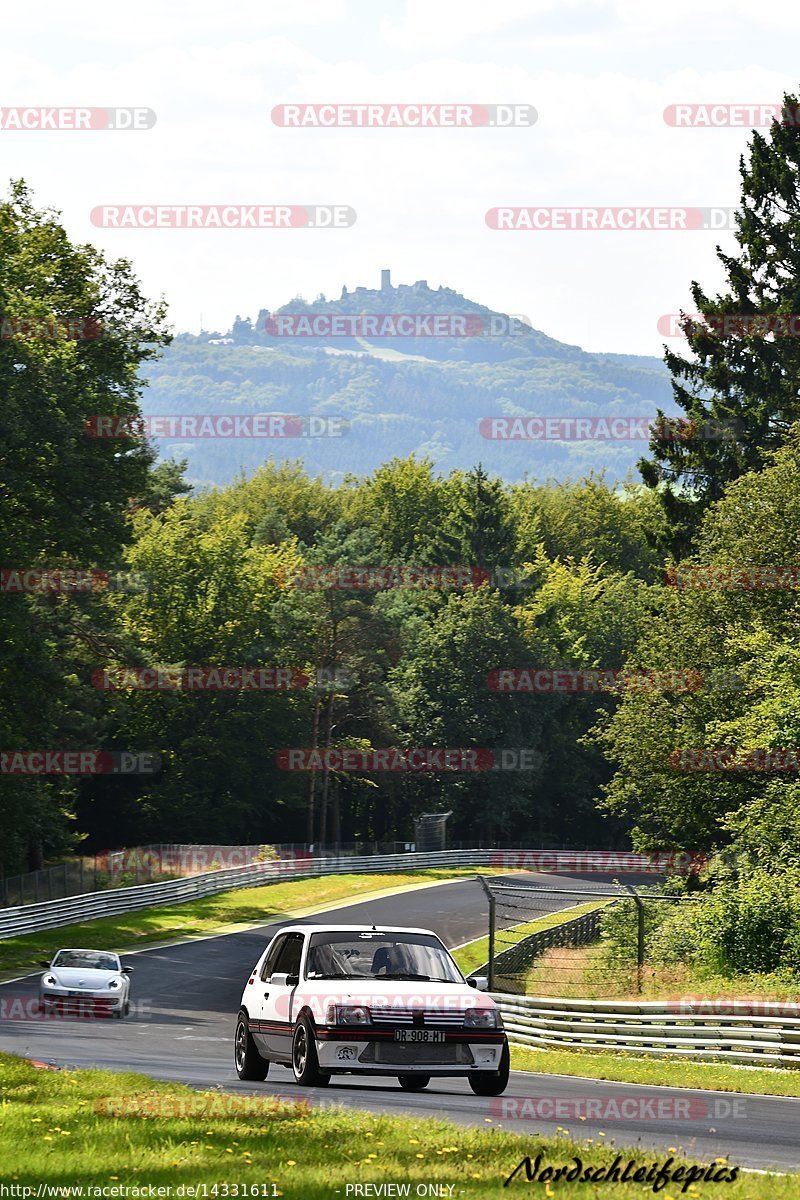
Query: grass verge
(476, 954)
(212, 914)
(60, 1127)
(667, 1072)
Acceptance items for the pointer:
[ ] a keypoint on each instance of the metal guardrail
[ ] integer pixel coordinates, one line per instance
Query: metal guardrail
(742, 1032)
(31, 918)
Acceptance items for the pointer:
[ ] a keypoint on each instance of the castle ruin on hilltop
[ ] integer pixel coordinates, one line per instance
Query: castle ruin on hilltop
(386, 286)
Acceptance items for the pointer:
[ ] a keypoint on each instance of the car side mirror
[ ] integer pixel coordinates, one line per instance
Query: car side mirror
(127, 970)
(479, 982)
(43, 963)
(280, 979)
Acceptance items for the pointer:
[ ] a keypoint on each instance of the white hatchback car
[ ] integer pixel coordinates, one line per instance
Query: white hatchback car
(85, 982)
(354, 999)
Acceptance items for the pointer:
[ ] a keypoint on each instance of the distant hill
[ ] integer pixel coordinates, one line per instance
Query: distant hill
(413, 392)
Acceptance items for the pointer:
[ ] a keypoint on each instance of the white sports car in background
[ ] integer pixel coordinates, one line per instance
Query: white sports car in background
(351, 999)
(85, 981)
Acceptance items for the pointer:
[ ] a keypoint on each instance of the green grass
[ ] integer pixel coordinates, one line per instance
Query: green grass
(209, 915)
(476, 954)
(57, 1129)
(668, 1072)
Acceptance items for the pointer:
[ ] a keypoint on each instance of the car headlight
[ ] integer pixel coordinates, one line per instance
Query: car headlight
(49, 981)
(348, 1014)
(115, 983)
(481, 1018)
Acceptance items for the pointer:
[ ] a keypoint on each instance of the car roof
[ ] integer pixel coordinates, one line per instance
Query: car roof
(84, 950)
(364, 928)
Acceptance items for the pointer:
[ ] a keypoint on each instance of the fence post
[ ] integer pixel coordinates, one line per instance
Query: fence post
(639, 937)
(492, 907)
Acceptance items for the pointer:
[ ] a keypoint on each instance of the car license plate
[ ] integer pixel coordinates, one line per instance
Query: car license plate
(76, 993)
(418, 1035)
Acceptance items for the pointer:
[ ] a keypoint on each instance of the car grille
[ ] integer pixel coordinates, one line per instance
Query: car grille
(396, 1054)
(391, 1015)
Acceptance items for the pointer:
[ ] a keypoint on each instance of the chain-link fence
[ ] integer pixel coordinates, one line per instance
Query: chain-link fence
(583, 940)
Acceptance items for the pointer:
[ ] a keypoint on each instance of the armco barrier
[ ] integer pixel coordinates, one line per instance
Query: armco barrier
(740, 1031)
(31, 918)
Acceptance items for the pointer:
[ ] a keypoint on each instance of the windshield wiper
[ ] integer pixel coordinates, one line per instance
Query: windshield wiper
(403, 975)
(340, 975)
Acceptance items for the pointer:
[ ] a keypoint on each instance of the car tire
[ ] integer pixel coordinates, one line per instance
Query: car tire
(127, 1008)
(413, 1083)
(246, 1058)
(305, 1063)
(492, 1083)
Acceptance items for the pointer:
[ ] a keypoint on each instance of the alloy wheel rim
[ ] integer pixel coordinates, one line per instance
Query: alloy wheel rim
(240, 1045)
(300, 1050)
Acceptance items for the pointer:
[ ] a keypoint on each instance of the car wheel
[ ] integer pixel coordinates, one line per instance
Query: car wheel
(305, 1062)
(248, 1062)
(492, 1083)
(413, 1083)
(127, 1008)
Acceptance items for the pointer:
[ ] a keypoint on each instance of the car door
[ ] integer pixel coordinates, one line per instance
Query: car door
(277, 1024)
(260, 992)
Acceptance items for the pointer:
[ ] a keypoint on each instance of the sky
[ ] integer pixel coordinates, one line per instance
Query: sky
(599, 73)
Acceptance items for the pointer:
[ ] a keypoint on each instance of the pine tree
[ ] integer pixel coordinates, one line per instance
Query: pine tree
(739, 388)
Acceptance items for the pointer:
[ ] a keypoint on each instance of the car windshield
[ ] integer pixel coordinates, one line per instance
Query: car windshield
(90, 960)
(373, 955)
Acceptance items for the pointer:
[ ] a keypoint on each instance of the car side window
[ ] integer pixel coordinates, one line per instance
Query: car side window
(291, 952)
(269, 961)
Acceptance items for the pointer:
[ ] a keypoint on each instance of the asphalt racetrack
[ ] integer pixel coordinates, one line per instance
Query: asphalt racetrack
(186, 998)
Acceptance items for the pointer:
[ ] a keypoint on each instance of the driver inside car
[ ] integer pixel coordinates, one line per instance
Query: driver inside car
(323, 960)
(392, 960)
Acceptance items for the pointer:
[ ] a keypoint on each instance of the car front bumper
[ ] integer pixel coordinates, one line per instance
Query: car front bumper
(63, 1001)
(375, 1053)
